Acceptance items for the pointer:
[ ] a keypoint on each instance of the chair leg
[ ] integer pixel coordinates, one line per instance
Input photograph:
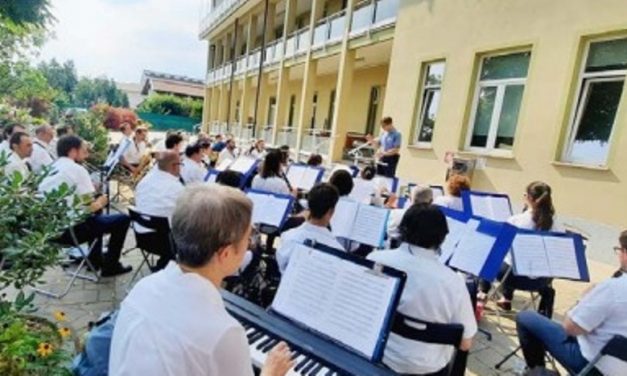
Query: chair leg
(507, 357)
(139, 268)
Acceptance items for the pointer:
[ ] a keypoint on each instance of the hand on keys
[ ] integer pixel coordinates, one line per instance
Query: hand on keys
(279, 361)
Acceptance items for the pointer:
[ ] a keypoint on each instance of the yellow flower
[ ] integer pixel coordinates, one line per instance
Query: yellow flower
(59, 316)
(64, 332)
(44, 349)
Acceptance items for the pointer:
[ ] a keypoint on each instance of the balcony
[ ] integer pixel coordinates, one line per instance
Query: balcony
(236, 130)
(240, 66)
(254, 58)
(297, 42)
(286, 136)
(316, 141)
(373, 15)
(266, 134)
(329, 30)
(217, 15)
(247, 132)
(214, 128)
(274, 52)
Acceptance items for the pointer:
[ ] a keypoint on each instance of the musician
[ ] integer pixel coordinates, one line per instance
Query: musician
(72, 151)
(175, 319)
(314, 160)
(230, 178)
(174, 142)
(420, 195)
(229, 151)
(21, 149)
(588, 326)
(271, 178)
(42, 156)
(453, 197)
(321, 201)
(218, 144)
(192, 168)
(443, 299)
(258, 150)
(136, 151)
(343, 181)
(7, 133)
(389, 148)
(60, 131)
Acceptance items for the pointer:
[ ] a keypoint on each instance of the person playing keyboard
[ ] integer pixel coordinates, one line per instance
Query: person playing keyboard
(174, 322)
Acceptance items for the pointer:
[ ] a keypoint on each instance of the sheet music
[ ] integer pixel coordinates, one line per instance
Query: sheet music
(370, 225)
(344, 217)
(562, 257)
(268, 209)
(362, 190)
(501, 210)
(472, 250)
(456, 229)
(437, 191)
(295, 174)
(530, 257)
(310, 178)
(222, 166)
(495, 208)
(303, 177)
(243, 164)
(336, 297)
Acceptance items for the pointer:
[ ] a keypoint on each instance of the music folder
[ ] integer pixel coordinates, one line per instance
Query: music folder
(244, 165)
(270, 208)
(303, 176)
(359, 222)
(211, 176)
(345, 299)
(493, 206)
(483, 247)
(549, 254)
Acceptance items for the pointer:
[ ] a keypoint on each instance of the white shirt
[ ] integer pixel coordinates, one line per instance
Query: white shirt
(273, 184)
(299, 235)
(602, 312)
(174, 323)
(41, 156)
(257, 154)
(432, 293)
(192, 171)
(394, 222)
(156, 194)
(226, 154)
(4, 147)
(65, 170)
(450, 202)
(135, 152)
(16, 164)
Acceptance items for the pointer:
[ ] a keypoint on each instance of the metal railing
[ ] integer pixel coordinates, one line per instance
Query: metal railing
(329, 29)
(316, 141)
(240, 66)
(253, 58)
(247, 132)
(274, 52)
(266, 134)
(297, 42)
(286, 136)
(218, 14)
(369, 15)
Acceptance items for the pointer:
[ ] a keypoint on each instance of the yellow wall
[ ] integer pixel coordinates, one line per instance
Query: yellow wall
(363, 81)
(461, 30)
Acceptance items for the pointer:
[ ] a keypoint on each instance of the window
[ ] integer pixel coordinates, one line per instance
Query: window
(373, 108)
(271, 111)
(497, 101)
(290, 115)
(429, 102)
(600, 90)
(314, 109)
(329, 122)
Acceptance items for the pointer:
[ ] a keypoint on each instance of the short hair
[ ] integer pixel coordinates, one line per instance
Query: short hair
(424, 226)
(622, 239)
(458, 183)
(198, 236)
(229, 178)
(368, 173)
(16, 138)
(9, 129)
(68, 143)
(172, 140)
(422, 194)
(42, 129)
(166, 158)
(271, 164)
(343, 181)
(191, 150)
(204, 144)
(63, 130)
(322, 198)
(314, 160)
(386, 120)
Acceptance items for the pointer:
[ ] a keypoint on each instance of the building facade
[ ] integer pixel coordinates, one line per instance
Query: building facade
(531, 89)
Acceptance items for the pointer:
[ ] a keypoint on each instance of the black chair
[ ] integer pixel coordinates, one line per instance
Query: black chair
(156, 242)
(616, 348)
(434, 333)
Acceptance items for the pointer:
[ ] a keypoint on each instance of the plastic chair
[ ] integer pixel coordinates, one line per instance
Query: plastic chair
(616, 347)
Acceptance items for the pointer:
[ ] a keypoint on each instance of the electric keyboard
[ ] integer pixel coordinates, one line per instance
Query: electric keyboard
(313, 355)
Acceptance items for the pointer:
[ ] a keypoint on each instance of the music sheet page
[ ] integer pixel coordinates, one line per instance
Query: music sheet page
(309, 179)
(274, 210)
(437, 192)
(242, 164)
(362, 191)
(295, 175)
(259, 204)
(456, 229)
(562, 257)
(223, 165)
(480, 206)
(530, 256)
(472, 250)
(370, 225)
(500, 208)
(344, 217)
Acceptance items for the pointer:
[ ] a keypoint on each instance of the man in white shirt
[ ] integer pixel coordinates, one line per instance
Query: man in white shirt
(432, 293)
(42, 156)
(228, 153)
(21, 148)
(175, 319)
(596, 318)
(156, 195)
(72, 151)
(420, 195)
(321, 201)
(137, 149)
(7, 133)
(193, 170)
(125, 144)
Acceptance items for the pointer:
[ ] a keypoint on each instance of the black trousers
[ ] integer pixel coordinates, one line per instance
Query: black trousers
(389, 169)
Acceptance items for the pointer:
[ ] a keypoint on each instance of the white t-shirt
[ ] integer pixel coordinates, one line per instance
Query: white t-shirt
(299, 235)
(16, 164)
(65, 170)
(226, 154)
(135, 152)
(41, 156)
(174, 323)
(156, 194)
(257, 154)
(449, 202)
(273, 184)
(394, 222)
(192, 171)
(432, 293)
(602, 312)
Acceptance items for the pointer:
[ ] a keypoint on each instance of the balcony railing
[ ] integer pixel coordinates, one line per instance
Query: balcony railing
(253, 59)
(316, 141)
(214, 128)
(236, 130)
(370, 15)
(247, 132)
(240, 66)
(266, 134)
(274, 52)
(329, 30)
(218, 14)
(287, 136)
(297, 42)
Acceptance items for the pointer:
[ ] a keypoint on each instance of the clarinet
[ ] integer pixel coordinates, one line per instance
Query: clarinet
(286, 181)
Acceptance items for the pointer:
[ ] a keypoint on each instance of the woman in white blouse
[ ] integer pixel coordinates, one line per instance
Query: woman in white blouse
(270, 178)
(453, 197)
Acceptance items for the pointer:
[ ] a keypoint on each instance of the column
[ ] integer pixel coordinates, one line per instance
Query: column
(206, 110)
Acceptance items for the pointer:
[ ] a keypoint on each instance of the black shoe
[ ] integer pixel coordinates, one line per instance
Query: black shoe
(112, 271)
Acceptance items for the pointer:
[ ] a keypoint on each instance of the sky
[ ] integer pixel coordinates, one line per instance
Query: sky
(121, 38)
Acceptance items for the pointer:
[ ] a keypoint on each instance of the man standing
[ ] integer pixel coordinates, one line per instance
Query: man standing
(21, 148)
(389, 148)
(42, 156)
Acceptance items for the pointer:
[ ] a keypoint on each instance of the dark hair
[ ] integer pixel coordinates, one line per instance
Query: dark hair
(16, 139)
(191, 150)
(172, 140)
(229, 178)
(368, 173)
(68, 143)
(204, 144)
(314, 160)
(424, 226)
(271, 164)
(8, 130)
(386, 120)
(542, 205)
(285, 153)
(458, 183)
(63, 130)
(622, 239)
(322, 198)
(343, 181)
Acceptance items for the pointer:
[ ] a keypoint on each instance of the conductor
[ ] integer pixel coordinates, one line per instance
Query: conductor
(389, 147)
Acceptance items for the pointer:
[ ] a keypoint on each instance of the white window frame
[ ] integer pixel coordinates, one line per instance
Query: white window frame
(581, 99)
(422, 110)
(500, 85)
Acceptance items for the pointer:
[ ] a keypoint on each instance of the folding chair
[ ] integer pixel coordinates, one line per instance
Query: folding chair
(84, 263)
(616, 347)
(156, 242)
(435, 333)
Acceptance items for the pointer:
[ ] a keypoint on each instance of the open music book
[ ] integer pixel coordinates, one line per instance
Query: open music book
(493, 206)
(243, 164)
(340, 297)
(437, 190)
(304, 177)
(359, 222)
(457, 228)
(549, 254)
(270, 208)
(364, 190)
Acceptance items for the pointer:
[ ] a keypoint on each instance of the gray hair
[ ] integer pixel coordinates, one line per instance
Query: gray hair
(208, 218)
(422, 194)
(43, 129)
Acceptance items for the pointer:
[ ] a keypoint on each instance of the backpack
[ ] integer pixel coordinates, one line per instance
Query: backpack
(94, 359)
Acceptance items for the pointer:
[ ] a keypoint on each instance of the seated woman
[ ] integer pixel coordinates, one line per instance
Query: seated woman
(314, 160)
(453, 197)
(443, 299)
(368, 188)
(538, 214)
(343, 181)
